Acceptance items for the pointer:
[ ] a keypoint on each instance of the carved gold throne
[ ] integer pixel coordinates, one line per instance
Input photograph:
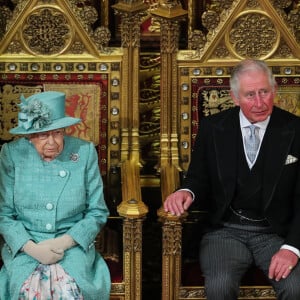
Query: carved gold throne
(195, 83)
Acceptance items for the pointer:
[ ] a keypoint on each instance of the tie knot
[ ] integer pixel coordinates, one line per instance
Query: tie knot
(253, 129)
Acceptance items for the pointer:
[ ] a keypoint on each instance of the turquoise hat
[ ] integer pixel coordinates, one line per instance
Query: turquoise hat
(43, 112)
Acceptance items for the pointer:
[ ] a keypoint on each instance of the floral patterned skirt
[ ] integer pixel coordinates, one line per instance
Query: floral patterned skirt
(50, 282)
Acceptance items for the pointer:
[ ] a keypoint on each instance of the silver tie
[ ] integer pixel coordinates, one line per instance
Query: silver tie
(252, 142)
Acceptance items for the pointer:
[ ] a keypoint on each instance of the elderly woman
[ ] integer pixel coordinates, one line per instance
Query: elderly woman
(51, 208)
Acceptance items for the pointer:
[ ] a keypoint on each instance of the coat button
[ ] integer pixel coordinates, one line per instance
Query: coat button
(49, 206)
(48, 226)
(62, 173)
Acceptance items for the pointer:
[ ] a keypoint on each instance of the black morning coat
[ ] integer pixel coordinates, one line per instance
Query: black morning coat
(213, 169)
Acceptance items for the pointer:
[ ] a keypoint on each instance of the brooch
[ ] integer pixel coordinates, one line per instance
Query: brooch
(74, 157)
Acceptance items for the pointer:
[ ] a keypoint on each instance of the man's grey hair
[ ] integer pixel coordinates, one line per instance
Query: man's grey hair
(249, 65)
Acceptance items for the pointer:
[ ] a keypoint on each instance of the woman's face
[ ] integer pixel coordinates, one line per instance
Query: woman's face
(48, 144)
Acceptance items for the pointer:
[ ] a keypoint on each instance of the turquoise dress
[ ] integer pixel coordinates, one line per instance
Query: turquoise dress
(41, 200)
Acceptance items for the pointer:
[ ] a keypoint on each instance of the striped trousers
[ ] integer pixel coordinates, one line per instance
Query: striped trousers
(227, 252)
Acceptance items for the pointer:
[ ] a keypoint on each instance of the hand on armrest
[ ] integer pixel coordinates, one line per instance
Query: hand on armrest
(178, 202)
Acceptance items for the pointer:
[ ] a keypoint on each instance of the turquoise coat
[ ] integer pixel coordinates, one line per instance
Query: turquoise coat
(41, 200)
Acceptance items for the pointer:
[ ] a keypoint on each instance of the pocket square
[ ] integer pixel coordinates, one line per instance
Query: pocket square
(290, 159)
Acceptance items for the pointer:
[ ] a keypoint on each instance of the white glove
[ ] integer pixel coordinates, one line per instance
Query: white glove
(61, 243)
(45, 254)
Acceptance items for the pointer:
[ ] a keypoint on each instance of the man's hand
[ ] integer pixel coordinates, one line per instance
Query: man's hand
(61, 243)
(178, 202)
(282, 264)
(45, 254)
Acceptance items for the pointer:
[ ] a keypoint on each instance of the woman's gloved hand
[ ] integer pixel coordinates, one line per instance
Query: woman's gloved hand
(63, 242)
(44, 253)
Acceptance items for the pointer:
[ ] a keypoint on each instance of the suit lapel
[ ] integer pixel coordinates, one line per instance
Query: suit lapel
(225, 135)
(277, 139)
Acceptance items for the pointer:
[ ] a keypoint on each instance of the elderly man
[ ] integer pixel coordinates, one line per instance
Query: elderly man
(245, 167)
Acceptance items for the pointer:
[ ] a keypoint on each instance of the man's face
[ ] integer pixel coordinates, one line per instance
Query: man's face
(256, 97)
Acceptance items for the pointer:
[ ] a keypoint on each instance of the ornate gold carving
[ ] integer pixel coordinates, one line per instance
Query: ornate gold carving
(283, 51)
(46, 31)
(171, 253)
(197, 41)
(77, 47)
(282, 3)
(17, 10)
(252, 3)
(170, 9)
(117, 288)
(9, 99)
(172, 228)
(132, 247)
(130, 29)
(132, 13)
(221, 51)
(169, 14)
(258, 292)
(253, 34)
(149, 129)
(101, 37)
(214, 17)
(169, 162)
(88, 16)
(194, 293)
(127, 257)
(172, 238)
(49, 27)
(227, 23)
(86, 13)
(210, 19)
(288, 98)
(14, 47)
(5, 16)
(293, 20)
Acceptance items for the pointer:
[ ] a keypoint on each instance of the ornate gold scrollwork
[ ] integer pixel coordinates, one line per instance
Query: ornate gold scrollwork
(46, 31)
(253, 34)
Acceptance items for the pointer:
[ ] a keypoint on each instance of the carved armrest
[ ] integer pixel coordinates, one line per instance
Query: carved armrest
(171, 253)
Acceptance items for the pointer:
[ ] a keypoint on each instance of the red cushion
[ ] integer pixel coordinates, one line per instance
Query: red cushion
(116, 270)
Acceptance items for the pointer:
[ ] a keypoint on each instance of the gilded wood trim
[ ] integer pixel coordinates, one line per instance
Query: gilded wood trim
(132, 243)
(246, 293)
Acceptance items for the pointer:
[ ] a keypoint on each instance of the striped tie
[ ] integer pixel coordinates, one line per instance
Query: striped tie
(252, 142)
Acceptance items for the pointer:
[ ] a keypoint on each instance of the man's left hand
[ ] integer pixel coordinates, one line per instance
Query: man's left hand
(282, 264)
